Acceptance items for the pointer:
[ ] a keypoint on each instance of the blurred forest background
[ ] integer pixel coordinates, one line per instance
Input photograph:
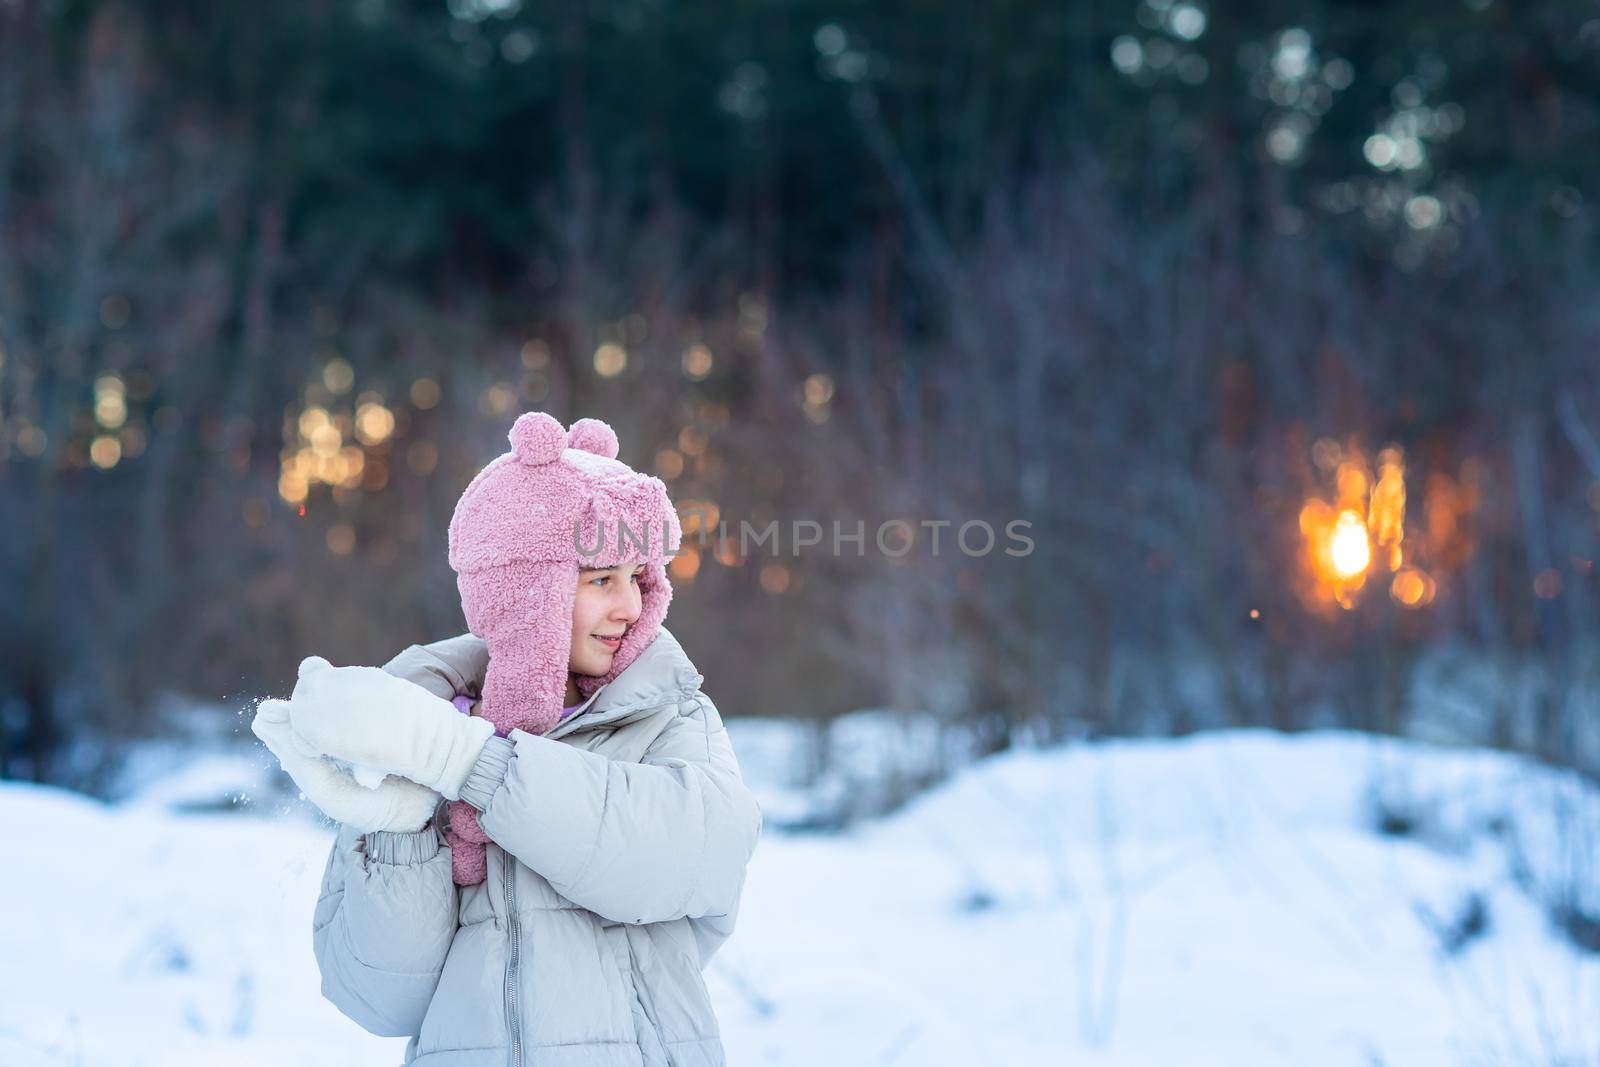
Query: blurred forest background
(1277, 323)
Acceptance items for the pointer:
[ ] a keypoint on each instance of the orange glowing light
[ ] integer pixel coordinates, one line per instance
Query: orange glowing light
(775, 578)
(1412, 588)
(1347, 547)
(1363, 530)
(1339, 537)
(1386, 512)
(685, 565)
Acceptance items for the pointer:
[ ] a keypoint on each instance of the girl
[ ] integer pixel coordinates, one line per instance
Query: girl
(598, 831)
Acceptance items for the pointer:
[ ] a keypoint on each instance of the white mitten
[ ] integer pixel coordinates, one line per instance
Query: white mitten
(395, 804)
(370, 718)
(367, 777)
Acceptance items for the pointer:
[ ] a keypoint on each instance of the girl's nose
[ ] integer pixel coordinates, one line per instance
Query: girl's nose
(628, 607)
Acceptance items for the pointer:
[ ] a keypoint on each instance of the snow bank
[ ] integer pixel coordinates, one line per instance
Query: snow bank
(1224, 898)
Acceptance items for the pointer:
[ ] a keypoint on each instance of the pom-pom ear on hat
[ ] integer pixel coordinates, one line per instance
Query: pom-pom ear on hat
(537, 438)
(592, 435)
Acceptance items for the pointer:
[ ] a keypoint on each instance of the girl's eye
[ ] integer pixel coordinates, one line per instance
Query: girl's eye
(602, 579)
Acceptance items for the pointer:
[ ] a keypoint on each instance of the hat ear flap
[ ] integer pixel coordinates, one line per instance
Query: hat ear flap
(523, 612)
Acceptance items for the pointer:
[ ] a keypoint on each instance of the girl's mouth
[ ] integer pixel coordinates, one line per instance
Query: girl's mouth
(613, 643)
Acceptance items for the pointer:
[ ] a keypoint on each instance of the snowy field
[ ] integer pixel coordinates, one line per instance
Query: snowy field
(1226, 898)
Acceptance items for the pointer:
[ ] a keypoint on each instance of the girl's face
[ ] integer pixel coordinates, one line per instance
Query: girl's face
(607, 604)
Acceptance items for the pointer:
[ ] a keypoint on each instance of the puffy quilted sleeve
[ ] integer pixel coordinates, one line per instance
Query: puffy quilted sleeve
(385, 917)
(386, 911)
(447, 668)
(665, 838)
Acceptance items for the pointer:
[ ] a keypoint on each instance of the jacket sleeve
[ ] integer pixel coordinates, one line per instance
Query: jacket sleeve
(385, 917)
(445, 668)
(386, 913)
(668, 837)
(711, 931)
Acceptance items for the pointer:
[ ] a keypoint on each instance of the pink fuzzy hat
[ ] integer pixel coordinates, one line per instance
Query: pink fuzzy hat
(558, 501)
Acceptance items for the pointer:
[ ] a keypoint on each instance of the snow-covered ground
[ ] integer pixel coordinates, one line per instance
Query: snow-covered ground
(1225, 898)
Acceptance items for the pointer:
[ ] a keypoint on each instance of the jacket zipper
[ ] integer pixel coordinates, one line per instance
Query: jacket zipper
(513, 925)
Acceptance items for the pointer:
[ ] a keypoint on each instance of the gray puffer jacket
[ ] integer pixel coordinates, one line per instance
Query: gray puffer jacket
(619, 847)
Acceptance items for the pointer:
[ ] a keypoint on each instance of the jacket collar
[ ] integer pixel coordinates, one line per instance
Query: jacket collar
(661, 674)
